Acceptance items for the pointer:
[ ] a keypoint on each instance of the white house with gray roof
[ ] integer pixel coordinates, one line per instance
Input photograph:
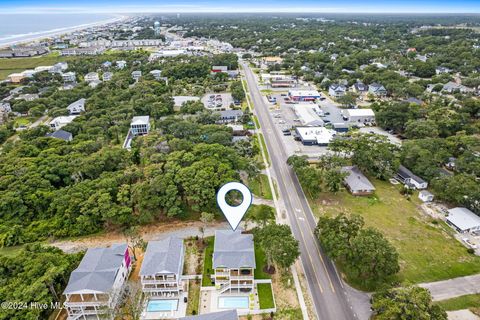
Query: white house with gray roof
(356, 182)
(162, 267)
(94, 288)
(77, 107)
(233, 261)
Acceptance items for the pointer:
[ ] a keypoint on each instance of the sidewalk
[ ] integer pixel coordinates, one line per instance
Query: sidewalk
(452, 288)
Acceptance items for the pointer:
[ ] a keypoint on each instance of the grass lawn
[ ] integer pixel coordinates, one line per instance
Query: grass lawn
(428, 251)
(22, 121)
(260, 187)
(193, 297)
(459, 303)
(265, 295)
(261, 262)
(8, 66)
(208, 263)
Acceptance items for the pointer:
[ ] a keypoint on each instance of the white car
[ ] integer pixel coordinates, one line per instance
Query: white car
(469, 243)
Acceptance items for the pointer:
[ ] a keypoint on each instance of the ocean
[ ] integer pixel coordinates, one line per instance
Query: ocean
(16, 27)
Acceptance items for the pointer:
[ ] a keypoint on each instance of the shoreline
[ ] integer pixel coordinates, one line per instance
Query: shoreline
(32, 37)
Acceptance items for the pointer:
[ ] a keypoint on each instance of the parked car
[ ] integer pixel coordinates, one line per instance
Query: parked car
(469, 243)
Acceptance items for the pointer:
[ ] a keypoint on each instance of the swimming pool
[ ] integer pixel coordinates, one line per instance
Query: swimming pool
(162, 305)
(233, 303)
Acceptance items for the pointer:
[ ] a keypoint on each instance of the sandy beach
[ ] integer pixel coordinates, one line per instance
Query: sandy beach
(35, 36)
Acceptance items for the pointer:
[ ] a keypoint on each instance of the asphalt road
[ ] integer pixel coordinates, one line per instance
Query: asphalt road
(326, 288)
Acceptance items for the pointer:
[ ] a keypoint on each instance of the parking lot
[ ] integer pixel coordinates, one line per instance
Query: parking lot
(285, 118)
(217, 101)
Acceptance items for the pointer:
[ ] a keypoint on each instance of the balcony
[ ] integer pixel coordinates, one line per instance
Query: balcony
(87, 300)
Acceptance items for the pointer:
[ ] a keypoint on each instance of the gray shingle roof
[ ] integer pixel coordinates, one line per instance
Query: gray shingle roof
(232, 249)
(356, 181)
(163, 256)
(405, 173)
(222, 315)
(61, 134)
(97, 270)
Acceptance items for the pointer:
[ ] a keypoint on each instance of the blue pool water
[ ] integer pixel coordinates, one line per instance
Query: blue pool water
(233, 303)
(162, 305)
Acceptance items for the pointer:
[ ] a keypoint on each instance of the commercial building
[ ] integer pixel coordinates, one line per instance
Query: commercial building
(230, 116)
(308, 114)
(463, 220)
(304, 95)
(315, 135)
(363, 116)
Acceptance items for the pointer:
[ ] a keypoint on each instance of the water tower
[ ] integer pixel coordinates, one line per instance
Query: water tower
(156, 28)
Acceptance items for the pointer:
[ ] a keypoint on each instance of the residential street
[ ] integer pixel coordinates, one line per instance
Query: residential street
(329, 293)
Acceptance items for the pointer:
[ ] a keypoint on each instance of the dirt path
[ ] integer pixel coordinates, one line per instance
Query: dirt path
(157, 232)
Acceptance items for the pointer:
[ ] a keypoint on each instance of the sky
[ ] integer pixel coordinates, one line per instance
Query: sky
(343, 6)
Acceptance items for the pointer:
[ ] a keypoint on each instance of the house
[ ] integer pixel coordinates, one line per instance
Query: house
(425, 196)
(360, 88)
(356, 182)
(162, 267)
(463, 220)
(233, 261)
(106, 65)
(452, 163)
(95, 287)
(304, 95)
(77, 107)
(157, 74)
(94, 83)
(315, 135)
(15, 77)
(308, 114)
(359, 115)
(140, 125)
(28, 97)
(452, 87)
(229, 116)
(107, 76)
(58, 67)
(442, 70)
(61, 134)
(121, 64)
(91, 76)
(60, 122)
(136, 75)
(221, 315)
(377, 90)
(337, 90)
(69, 76)
(407, 177)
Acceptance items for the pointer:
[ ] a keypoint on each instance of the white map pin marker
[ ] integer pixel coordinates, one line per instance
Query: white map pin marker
(234, 214)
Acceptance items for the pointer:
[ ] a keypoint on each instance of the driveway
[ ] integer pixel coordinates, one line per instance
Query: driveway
(452, 288)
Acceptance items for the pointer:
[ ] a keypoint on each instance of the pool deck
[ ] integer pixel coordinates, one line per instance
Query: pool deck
(179, 313)
(209, 301)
